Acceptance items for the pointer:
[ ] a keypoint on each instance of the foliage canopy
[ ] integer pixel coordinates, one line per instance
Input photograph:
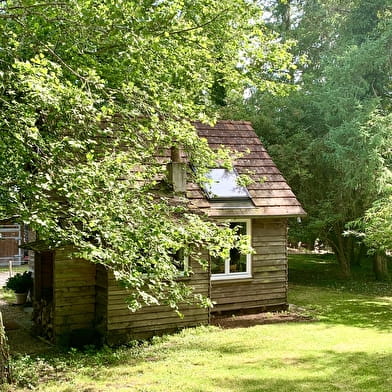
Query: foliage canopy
(90, 92)
(332, 136)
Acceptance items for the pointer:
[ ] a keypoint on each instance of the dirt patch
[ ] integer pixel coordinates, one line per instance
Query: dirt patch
(294, 314)
(17, 323)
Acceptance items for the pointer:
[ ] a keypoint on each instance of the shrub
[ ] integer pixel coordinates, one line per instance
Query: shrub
(20, 283)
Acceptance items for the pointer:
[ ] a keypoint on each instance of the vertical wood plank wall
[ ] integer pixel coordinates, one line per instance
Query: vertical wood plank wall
(268, 285)
(101, 297)
(123, 324)
(74, 293)
(43, 275)
(9, 248)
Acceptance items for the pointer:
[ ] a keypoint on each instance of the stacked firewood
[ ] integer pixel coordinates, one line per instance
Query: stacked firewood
(43, 318)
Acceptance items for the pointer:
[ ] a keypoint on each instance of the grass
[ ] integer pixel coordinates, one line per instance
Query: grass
(348, 349)
(323, 271)
(7, 295)
(361, 301)
(15, 269)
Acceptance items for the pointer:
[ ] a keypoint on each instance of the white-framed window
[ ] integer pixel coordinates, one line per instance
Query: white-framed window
(238, 265)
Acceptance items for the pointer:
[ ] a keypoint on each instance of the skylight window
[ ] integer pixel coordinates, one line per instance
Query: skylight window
(224, 185)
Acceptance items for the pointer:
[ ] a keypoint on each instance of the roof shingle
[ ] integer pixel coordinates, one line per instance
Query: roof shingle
(270, 192)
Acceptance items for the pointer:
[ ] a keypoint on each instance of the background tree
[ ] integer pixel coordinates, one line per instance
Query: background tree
(378, 224)
(332, 136)
(92, 91)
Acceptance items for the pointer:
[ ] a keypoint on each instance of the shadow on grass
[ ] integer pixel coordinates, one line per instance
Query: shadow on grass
(330, 371)
(361, 302)
(322, 270)
(356, 312)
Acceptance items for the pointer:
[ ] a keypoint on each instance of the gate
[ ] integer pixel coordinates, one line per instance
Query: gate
(10, 241)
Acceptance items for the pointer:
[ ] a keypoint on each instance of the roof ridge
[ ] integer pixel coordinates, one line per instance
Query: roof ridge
(239, 122)
(244, 122)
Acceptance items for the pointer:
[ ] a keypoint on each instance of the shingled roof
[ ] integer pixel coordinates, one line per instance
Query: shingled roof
(271, 196)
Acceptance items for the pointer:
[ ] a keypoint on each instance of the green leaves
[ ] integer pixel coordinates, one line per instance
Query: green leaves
(377, 225)
(91, 93)
(332, 136)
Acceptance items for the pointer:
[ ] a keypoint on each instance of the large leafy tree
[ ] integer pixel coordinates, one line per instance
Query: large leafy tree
(91, 91)
(332, 136)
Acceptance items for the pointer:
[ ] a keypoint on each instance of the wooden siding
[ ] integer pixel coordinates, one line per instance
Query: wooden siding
(123, 324)
(268, 285)
(74, 293)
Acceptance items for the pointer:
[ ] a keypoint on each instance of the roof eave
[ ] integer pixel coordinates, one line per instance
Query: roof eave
(256, 212)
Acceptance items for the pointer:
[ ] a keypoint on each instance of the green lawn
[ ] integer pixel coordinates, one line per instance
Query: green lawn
(348, 349)
(15, 269)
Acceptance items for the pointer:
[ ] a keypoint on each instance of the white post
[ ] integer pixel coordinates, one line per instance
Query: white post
(20, 253)
(10, 267)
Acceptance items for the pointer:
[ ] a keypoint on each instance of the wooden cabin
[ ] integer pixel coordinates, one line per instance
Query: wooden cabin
(78, 301)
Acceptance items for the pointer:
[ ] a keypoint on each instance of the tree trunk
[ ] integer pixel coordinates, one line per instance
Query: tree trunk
(360, 252)
(344, 263)
(340, 246)
(380, 267)
(5, 369)
(350, 249)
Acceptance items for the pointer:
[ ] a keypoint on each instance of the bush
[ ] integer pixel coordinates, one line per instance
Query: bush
(20, 283)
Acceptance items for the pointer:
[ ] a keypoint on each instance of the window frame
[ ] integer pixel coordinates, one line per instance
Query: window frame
(227, 275)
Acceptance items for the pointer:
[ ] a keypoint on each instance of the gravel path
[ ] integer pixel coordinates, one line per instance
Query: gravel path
(3, 278)
(17, 323)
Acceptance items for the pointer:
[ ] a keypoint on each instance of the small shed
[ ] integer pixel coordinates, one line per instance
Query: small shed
(76, 300)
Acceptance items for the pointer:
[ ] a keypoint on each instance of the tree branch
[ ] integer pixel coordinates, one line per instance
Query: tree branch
(18, 7)
(197, 26)
(53, 53)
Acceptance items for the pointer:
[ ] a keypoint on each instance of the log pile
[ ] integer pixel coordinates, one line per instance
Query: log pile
(43, 318)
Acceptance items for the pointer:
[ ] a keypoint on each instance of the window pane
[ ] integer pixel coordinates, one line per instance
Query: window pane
(224, 185)
(237, 261)
(241, 227)
(217, 265)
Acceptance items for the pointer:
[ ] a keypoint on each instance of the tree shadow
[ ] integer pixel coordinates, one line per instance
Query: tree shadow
(362, 313)
(360, 302)
(323, 271)
(339, 307)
